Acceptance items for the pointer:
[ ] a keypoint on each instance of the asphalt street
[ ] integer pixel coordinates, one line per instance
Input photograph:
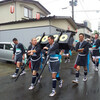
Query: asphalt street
(11, 90)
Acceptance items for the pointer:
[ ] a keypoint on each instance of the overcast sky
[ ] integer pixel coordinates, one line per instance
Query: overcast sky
(55, 7)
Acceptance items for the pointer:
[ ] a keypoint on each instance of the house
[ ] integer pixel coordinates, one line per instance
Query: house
(25, 30)
(14, 10)
(15, 23)
(82, 28)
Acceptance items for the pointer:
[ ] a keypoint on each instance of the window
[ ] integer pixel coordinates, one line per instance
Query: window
(1, 46)
(41, 15)
(27, 13)
(30, 13)
(8, 46)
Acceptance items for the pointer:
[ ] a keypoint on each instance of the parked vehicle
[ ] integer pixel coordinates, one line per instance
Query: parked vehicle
(6, 51)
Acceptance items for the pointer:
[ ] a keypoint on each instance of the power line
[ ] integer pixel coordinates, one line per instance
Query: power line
(83, 9)
(51, 1)
(88, 11)
(94, 19)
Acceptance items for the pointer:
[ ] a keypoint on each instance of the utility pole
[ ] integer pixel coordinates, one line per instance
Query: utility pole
(72, 4)
(72, 9)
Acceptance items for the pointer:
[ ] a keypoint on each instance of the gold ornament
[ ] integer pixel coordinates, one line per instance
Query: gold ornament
(56, 37)
(63, 37)
(38, 38)
(45, 38)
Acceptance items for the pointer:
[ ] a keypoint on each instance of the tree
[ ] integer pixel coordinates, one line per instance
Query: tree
(95, 31)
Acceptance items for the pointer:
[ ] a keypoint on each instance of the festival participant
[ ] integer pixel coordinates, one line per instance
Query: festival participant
(53, 50)
(67, 55)
(82, 47)
(96, 51)
(34, 51)
(18, 55)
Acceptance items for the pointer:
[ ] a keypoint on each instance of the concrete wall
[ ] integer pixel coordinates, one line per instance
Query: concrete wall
(25, 25)
(59, 23)
(27, 30)
(24, 35)
(62, 23)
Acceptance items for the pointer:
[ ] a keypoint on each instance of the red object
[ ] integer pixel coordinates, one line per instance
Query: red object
(75, 66)
(76, 30)
(30, 64)
(12, 9)
(37, 16)
(68, 27)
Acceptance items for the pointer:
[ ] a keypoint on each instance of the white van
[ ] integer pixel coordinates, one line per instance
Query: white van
(6, 51)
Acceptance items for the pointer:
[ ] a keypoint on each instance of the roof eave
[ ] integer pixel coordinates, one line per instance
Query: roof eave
(5, 2)
(34, 2)
(73, 22)
(44, 18)
(83, 26)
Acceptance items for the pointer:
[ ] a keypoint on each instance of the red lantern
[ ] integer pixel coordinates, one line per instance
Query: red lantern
(37, 16)
(76, 30)
(11, 9)
(68, 27)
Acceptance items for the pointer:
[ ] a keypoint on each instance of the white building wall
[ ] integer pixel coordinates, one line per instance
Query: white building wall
(6, 16)
(82, 30)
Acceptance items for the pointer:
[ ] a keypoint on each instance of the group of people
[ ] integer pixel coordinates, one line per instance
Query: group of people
(52, 49)
(83, 48)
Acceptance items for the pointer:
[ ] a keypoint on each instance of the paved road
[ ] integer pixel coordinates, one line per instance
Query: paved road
(11, 90)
